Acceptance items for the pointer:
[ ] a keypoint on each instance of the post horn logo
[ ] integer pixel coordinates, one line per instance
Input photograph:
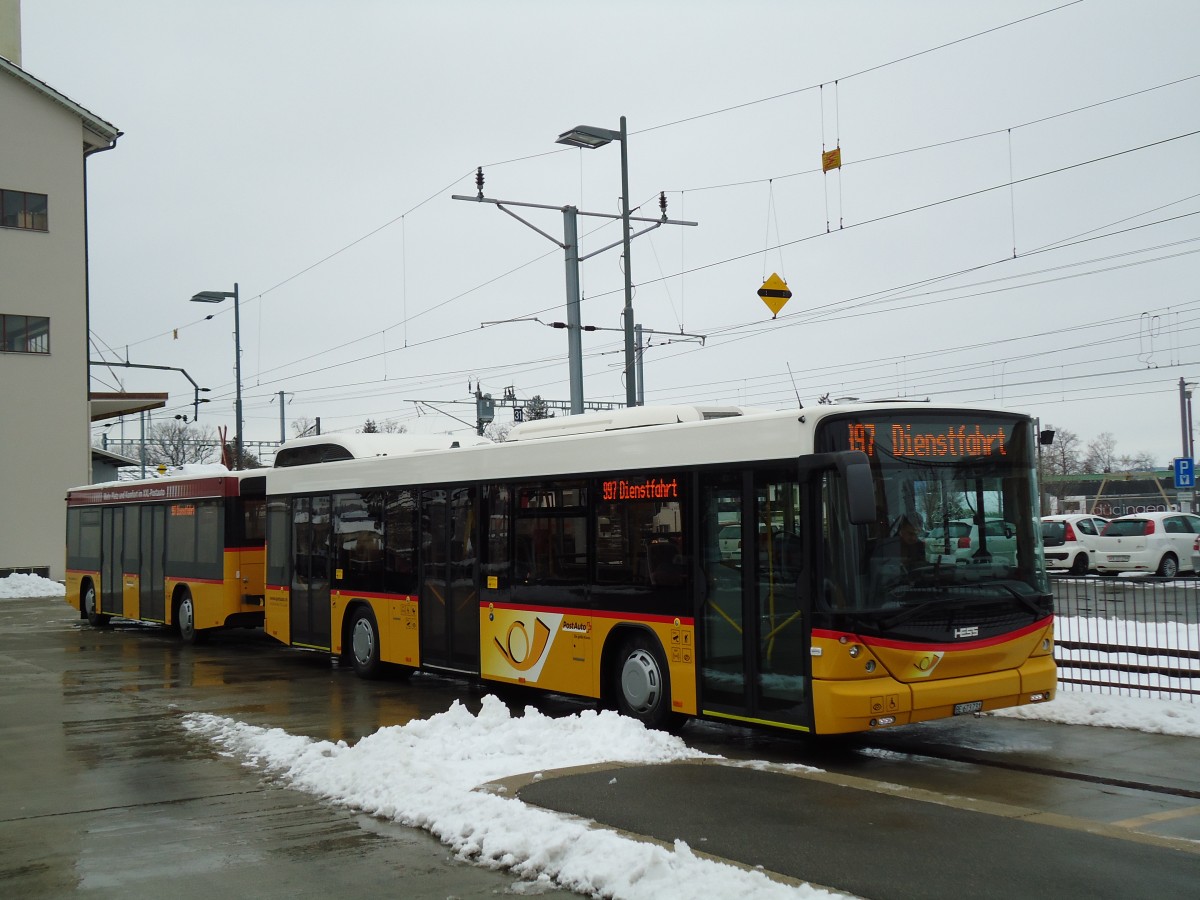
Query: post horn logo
(521, 655)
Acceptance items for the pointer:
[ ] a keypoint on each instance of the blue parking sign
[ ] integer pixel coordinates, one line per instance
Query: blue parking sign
(1185, 472)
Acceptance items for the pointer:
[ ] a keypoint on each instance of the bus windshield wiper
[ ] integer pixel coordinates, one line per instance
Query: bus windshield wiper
(1027, 601)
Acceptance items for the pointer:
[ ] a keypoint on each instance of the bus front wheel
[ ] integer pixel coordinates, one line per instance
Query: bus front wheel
(95, 618)
(642, 685)
(364, 644)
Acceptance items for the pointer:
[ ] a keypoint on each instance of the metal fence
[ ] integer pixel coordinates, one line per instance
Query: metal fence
(1133, 636)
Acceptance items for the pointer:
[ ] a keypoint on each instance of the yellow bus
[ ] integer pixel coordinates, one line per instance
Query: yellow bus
(769, 568)
(184, 551)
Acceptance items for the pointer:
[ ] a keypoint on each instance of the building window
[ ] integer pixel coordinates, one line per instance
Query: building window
(21, 209)
(24, 334)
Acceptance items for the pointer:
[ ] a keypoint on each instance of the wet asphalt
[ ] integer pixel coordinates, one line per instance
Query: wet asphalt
(104, 794)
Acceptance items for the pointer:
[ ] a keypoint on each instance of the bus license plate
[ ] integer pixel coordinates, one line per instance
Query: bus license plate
(963, 709)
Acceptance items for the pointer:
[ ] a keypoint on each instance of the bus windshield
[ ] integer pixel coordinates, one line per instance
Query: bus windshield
(955, 511)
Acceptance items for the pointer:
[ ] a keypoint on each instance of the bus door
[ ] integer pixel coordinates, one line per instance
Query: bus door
(755, 662)
(310, 608)
(449, 608)
(151, 588)
(112, 532)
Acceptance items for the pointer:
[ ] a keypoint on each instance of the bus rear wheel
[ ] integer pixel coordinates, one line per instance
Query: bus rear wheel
(185, 619)
(642, 685)
(95, 618)
(364, 644)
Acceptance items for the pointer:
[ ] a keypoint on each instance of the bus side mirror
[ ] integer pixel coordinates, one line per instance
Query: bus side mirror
(855, 470)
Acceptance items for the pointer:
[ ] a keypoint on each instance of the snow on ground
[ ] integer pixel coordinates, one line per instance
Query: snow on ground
(424, 774)
(1075, 707)
(17, 585)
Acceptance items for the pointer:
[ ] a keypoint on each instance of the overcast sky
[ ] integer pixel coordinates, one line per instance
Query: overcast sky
(308, 151)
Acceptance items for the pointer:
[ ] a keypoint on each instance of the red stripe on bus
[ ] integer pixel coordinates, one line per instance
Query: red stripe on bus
(595, 613)
(363, 595)
(925, 645)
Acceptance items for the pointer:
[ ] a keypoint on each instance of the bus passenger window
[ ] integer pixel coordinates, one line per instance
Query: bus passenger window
(639, 533)
(551, 549)
(496, 561)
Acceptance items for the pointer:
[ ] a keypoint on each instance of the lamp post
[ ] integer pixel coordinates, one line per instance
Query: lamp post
(590, 137)
(217, 297)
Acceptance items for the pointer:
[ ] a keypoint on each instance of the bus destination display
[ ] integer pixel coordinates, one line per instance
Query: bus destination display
(929, 440)
(640, 489)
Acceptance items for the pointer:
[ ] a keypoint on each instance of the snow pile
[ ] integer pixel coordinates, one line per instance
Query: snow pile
(18, 585)
(1113, 711)
(424, 774)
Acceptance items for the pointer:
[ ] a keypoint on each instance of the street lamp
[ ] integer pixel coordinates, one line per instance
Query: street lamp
(217, 297)
(590, 137)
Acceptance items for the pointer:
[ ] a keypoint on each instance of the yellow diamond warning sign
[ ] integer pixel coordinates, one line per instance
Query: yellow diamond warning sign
(774, 293)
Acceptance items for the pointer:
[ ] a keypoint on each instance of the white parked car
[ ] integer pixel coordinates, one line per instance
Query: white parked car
(1157, 542)
(1070, 541)
(959, 543)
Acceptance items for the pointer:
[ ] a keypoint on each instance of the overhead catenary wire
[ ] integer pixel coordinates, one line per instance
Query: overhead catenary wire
(728, 260)
(681, 275)
(787, 321)
(869, 69)
(428, 199)
(721, 111)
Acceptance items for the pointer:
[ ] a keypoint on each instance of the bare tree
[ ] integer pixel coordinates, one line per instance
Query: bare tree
(1142, 461)
(303, 426)
(1101, 454)
(177, 444)
(1057, 462)
(249, 460)
(1062, 457)
(387, 426)
(497, 431)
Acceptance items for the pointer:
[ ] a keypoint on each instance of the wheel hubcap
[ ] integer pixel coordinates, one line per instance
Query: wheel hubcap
(641, 681)
(186, 617)
(363, 641)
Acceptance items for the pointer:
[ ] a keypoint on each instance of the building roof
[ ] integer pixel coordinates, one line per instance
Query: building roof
(109, 405)
(105, 133)
(116, 459)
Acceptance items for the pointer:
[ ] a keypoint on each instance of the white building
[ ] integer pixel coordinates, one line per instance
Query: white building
(45, 142)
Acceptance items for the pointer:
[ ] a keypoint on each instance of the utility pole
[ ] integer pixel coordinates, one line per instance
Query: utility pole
(282, 429)
(572, 259)
(1187, 493)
